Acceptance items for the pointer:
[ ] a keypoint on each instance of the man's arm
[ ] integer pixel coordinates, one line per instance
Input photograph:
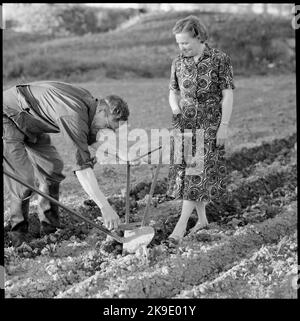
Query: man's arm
(89, 183)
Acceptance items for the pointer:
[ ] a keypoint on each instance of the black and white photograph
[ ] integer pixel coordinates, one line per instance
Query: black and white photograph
(149, 152)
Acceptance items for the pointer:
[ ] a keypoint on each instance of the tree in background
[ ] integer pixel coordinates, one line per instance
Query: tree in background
(61, 20)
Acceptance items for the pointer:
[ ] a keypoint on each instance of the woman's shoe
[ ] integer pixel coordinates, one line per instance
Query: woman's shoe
(199, 226)
(173, 241)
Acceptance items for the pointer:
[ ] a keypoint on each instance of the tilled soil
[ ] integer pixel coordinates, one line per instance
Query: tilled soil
(248, 250)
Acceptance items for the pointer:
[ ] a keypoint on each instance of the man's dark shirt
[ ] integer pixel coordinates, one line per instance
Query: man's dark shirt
(53, 107)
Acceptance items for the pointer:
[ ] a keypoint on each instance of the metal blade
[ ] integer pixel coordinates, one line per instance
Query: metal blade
(136, 238)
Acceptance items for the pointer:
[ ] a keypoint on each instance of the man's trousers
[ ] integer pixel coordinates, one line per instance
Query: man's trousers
(29, 161)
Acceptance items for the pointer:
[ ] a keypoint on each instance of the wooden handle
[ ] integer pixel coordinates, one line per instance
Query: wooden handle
(127, 193)
(151, 151)
(151, 191)
(129, 226)
(53, 200)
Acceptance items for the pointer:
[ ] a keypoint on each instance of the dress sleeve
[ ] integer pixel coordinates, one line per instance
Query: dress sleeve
(75, 131)
(173, 78)
(225, 73)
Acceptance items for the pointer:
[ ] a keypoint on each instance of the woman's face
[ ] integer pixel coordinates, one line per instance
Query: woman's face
(188, 45)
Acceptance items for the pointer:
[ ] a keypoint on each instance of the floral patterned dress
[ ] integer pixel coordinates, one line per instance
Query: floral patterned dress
(200, 86)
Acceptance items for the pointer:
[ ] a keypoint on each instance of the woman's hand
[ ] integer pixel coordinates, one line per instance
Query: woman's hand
(222, 135)
(174, 99)
(176, 111)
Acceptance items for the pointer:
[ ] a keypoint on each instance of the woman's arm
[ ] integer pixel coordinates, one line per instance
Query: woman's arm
(227, 102)
(174, 98)
(89, 183)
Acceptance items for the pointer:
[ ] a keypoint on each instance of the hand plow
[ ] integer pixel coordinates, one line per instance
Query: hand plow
(131, 247)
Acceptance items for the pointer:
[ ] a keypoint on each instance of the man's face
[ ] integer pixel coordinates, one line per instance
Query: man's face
(113, 124)
(101, 124)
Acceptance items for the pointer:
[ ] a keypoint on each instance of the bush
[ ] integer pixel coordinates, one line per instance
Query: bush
(110, 19)
(77, 20)
(65, 19)
(249, 41)
(38, 66)
(38, 18)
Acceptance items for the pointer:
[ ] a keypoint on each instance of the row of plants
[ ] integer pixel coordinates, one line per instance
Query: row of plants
(269, 272)
(192, 266)
(78, 262)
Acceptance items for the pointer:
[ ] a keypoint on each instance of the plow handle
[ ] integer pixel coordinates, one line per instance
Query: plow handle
(51, 199)
(151, 190)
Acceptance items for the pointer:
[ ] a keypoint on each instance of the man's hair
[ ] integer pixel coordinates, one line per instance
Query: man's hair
(193, 26)
(117, 107)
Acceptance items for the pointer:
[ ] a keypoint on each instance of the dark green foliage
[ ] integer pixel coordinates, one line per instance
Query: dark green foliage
(64, 19)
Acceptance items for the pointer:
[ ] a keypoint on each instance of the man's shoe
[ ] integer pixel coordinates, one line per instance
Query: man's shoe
(52, 217)
(7, 227)
(19, 234)
(17, 238)
(47, 228)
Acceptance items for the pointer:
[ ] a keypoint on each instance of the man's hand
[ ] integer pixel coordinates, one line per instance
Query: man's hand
(131, 160)
(222, 135)
(89, 183)
(111, 219)
(135, 162)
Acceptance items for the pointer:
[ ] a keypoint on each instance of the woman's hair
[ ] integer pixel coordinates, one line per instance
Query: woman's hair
(117, 107)
(193, 26)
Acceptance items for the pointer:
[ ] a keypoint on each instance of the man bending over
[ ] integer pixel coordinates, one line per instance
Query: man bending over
(30, 112)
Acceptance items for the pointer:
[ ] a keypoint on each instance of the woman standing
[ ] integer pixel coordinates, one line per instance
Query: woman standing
(201, 98)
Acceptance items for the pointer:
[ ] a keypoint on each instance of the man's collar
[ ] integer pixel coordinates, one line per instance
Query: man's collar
(207, 51)
(92, 112)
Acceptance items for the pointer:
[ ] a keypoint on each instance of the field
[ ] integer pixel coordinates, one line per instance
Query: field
(250, 247)
(145, 48)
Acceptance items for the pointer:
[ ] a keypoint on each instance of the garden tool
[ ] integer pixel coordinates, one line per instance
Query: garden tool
(142, 156)
(151, 151)
(127, 203)
(128, 247)
(140, 237)
(151, 194)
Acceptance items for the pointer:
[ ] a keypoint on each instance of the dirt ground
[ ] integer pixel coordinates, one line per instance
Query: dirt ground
(249, 249)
